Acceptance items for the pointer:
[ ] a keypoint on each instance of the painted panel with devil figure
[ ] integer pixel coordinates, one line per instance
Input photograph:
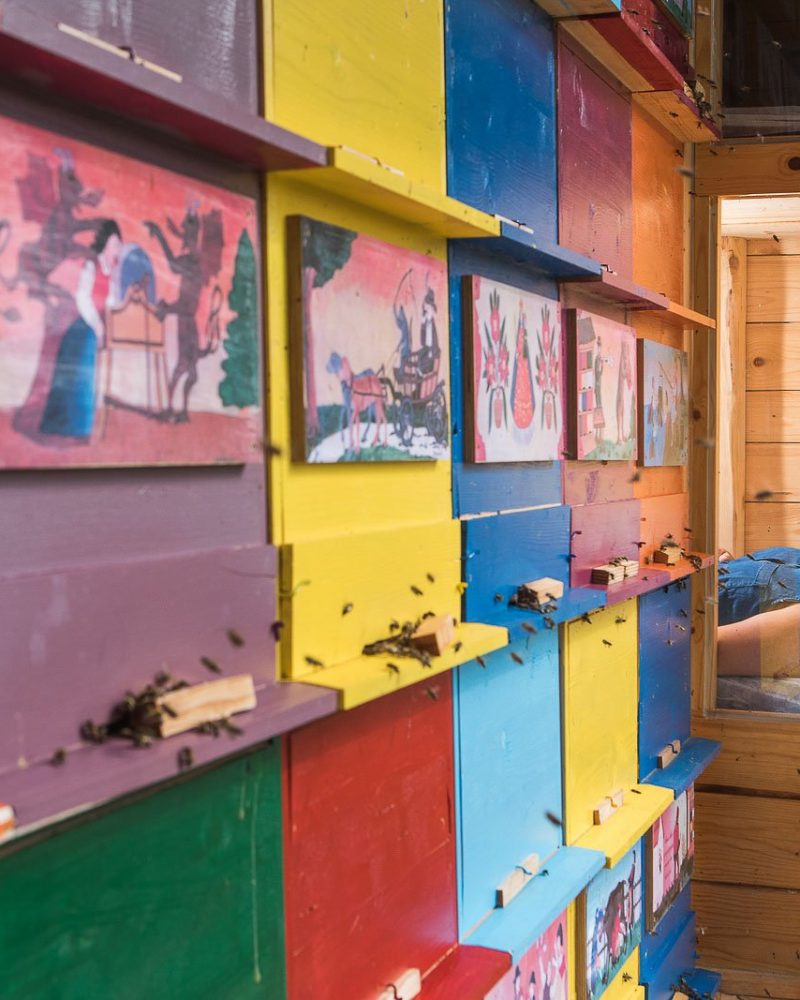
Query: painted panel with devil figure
(128, 311)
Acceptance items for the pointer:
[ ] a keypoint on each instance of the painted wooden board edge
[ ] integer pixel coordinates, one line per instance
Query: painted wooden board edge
(575, 603)
(32, 46)
(406, 987)
(367, 678)
(466, 967)
(515, 928)
(360, 178)
(513, 884)
(522, 247)
(678, 115)
(642, 807)
(697, 754)
(578, 8)
(683, 317)
(41, 799)
(616, 289)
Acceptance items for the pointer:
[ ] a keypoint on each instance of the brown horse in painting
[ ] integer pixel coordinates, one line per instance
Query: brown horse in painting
(360, 392)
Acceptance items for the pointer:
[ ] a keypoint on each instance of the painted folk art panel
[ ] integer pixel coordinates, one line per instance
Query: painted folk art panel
(371, 331)
(610, 923)
(543, 971)
(682, 11)
(129, 324)
(516, 406)
(664, 395)
(670, 856)
(602, 387)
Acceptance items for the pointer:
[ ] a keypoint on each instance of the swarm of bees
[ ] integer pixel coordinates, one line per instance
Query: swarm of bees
(399, 643)
(137, 717)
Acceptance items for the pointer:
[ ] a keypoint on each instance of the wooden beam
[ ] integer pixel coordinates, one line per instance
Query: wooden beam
(743, 168)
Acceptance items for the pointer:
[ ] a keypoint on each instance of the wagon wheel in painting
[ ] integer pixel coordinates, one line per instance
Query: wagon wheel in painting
(405, 421)
(436, 415)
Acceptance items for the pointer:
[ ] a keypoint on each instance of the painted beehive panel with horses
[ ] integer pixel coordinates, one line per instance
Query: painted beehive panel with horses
(129, 311)
(609, 924)
(371, 332)
(516, 411)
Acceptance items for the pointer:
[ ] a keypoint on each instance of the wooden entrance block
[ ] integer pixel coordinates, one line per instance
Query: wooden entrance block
(210, 702)
(514, 883)
(544, 590)
(435, 634)
(405, 987)
(615, 572)
(669, 753)
(667, 555)
(606, 809)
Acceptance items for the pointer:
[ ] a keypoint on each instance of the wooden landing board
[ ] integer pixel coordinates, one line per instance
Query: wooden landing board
(508, 772)
(369, 79)
(696, 756)
(469, 972)
(340, 596)
(664, 672)
(501, 111)
(614, 838)
(479, 489)
(369, 842)
(594, 141)
(105, 897)
(602, 532)
(599, 710)
(504, 551)
(77, 640)
(676, 111)
(629, 34)
(381, 494)
(744, 168)
(579, 8)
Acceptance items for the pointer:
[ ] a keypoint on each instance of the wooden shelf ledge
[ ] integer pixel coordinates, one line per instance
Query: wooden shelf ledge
(617, 42)
(362, 179)
(521, 246)
(468, 972)
(621, 291)
(681, 569)
(366, 678)
(648, 580)
(642, 806)
(40, 796)
(577, 601)
(678, 113)
(579, 8)
(34, 52)
(681, 316)
(695, 756)
(514, 928)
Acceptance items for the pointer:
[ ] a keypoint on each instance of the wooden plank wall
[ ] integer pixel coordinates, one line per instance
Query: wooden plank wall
(772, 362)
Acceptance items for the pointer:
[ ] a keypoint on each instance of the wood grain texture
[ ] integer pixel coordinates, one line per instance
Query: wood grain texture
(733, 336)
(764, 850)
(594, 141)
(774, 468)
(773, 290)
(600, 698)
(648, 42)
(758, 755)
(677, 112)
(760, 984)
(747, 926)
(658, 195)
(664, 672)
(99, 906)
(216, 53)
(501, 111)
(768, 524)
(369, 845)
(377, 495)
(509, 772)
(772, 355)
(787, 244)
(773, 416)
(368, 78)
(747, 168)
(480, 489)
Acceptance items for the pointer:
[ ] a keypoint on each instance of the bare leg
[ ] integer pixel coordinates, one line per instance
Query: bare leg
(762, 646)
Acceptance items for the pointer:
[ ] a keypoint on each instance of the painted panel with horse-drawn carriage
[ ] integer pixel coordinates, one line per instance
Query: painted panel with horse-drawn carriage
(129, 311)
(374, 349)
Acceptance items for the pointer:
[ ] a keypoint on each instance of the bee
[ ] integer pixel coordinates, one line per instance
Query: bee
(670, 642)
(568, 454)
(428, 614)
(586, 617)
(688, 531)
(275, 628)
(635, 477)
(776, 237)
(549, 623)
(572, 534)
(640, 545)
(394, 625)
(169, 710)
(764, 495)
(457, 647)
(620, 620)
(229, 727)
(234, 638)
(211, 665)
(529, 628)
(636, 791)
(431, 578)
(185, 758)
(416, 590)
(59, 757)
(432, 693)
(162, 679)
(681, 628)
(571, 556)
(552, 598)
(313, 662)
(481, 662)
(393, 668)
(267, 447)
(699, 611)
(498, 598)
(92, 733)
(347, 609)
(607, 642)
(684, 613)
(626, 976)
(552, 818)
(516, 658)
(645, 578)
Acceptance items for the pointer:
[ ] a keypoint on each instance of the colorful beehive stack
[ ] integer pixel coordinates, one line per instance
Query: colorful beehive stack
(464, 264)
